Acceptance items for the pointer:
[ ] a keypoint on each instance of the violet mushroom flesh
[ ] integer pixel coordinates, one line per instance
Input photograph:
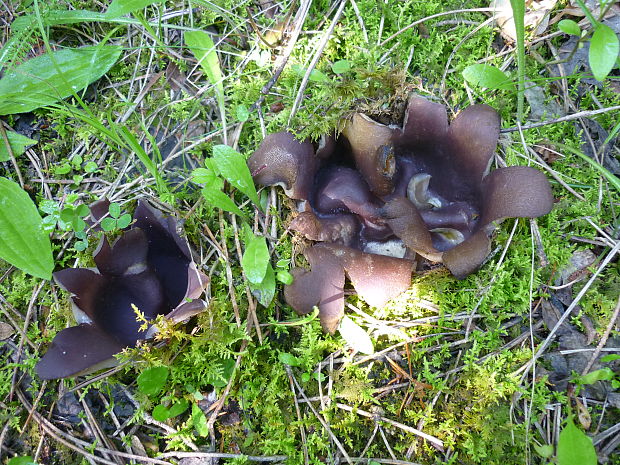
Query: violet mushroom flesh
(376, 278)
(149, 269)
(422, 189)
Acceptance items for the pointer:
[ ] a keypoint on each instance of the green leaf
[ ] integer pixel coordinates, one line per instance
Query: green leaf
(115, 210)
(199, 420)
(284, 277)
(23, 243)
(203, 48)
(121, 7)
(610, 358)
(221, 380)
(545, 451)
(487, 76)
(178, 408)
(355, 336)
(341, 66)
(52, 77)
(25, 460)
(289, 359)
(604, 374)
(575, 447)
(255, 260)
(266, 290)
(318, 76)
(218, 199)
(108, 224)
(568, 26)
(82, 210)
(233, 167)
(243, 113)
(160, 413)
(90, 167)
(604, 48)
(152, 380)
(18, 145)
(123, 221)
(203, 176)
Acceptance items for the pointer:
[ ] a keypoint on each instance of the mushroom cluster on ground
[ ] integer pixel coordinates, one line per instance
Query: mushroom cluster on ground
(376, 197)
(148, 269)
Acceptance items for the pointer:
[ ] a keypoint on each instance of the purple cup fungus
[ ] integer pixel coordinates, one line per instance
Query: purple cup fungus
(149, 268)
(378, 196)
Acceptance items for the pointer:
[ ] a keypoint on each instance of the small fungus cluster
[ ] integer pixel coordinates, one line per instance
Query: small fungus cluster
(149, 269)
(377, 196)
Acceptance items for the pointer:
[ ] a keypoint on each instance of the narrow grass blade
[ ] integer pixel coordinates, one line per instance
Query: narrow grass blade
(518, 11)
(612, 178)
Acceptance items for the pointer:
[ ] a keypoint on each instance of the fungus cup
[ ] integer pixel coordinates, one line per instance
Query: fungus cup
(378, 196)
(149, 269)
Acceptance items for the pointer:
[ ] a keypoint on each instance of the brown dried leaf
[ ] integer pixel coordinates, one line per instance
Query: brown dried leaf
(6, 331)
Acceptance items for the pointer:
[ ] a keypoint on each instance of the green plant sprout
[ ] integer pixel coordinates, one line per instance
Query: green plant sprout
(116, 220)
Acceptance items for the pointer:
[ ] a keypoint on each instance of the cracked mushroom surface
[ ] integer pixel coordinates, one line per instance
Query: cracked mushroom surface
(149, 268)
(380, 192)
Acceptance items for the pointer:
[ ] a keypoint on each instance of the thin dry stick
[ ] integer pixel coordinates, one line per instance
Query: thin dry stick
(33, 299)
(603, 340)
(433, 440)
(569, 310)
(302, 430)
(319, 417)
(580, 114)
(283, 59)
(315, 59)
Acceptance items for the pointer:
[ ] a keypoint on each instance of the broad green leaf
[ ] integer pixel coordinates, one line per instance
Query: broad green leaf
(178, 408)
(243, 113)
(233, 167)
(23, 242)
(266, 289)
(123, 221)
(115, 210)
(203, 48)
(568, 26)
(355, 336)
(56, 17)
(341, 66)
(289, 359)
(216, 198)
(152, 380)
(18, 145)
(51, 77)
(203, 176)
(318, 76)
(199, 420)
(487, 76)
(610, 358)
(604, 48)
(24, 460)
(575, 447)
(121, 7)
(545, 451)
(160, 413)
(255, 260)
(284, 277)
(604, 374)
(108, 224)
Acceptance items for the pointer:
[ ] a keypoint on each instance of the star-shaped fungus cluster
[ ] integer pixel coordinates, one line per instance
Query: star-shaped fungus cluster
(149, 269)
(376, 197)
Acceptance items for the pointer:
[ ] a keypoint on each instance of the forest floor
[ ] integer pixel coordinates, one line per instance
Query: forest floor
(517, 363)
